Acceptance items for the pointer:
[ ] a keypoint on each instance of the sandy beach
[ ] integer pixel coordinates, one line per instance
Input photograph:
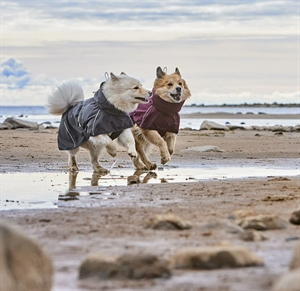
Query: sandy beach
(91, 224)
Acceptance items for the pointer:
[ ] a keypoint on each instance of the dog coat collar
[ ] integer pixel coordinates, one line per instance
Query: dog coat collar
(158, 115)
(165, 107)
(103, 103)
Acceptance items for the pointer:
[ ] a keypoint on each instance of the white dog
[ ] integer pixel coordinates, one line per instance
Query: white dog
(93, 123)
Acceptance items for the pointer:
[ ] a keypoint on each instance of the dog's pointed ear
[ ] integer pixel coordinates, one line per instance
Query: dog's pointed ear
(122, 73)
(177, 71)
(159, 72)
(113, 77)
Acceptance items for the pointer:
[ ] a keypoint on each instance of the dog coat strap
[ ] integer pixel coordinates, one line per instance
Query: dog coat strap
(115, 134)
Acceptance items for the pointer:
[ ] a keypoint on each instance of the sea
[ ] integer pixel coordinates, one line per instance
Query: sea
(40, 115)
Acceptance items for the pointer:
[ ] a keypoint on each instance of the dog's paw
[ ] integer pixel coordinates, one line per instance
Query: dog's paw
(165, 159)
(132, 154)
(100, 170)
(73, 168)
(152, 167)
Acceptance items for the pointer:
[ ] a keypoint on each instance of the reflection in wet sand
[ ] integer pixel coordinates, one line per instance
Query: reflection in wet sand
(43, 189)
(136, 177)
(71, 193)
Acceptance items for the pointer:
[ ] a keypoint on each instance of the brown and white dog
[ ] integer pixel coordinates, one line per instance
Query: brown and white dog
(157, 122)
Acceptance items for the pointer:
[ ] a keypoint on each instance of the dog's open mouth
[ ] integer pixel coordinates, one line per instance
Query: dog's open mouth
(176, 97)
(142, 99)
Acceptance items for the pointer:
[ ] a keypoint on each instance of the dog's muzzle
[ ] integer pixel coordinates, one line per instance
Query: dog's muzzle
(177, 96)
(142, 99)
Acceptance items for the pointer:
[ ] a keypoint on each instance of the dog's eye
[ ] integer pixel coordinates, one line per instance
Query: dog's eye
(179, 83)
(170, 84)
(136, 87)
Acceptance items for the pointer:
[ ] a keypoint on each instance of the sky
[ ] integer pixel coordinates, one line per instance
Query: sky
(228, 51)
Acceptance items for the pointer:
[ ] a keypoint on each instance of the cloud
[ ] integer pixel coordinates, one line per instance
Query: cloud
(20, 87)
(13, 74)
(39, 22)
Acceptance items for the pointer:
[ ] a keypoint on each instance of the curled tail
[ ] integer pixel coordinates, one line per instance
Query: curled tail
(66, 95)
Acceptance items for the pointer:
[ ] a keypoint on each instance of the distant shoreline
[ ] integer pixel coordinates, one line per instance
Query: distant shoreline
(268, 105)
(224, 115)
(256, 105)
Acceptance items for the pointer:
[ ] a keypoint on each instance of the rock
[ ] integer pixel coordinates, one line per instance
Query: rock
(277, 128)
(23, 264)
(124, 267)
(276, 179)
(252, 235)
(279, 198)
(222, 226)
(257, 127)
(262, 222)
(3, 126)
(43, 131)
(186, 128)
(215, 257)
(6, 125)
(98, 265)
(241, 213)
(288, 282)
(296, 128)
(295, 218)
(234, 127)
(168, 221)
(208, 148)
(210, 125)
(295, 262)
(291, 280)
(20, 123)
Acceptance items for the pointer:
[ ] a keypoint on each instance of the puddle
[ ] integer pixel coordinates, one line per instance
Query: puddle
(43, 190)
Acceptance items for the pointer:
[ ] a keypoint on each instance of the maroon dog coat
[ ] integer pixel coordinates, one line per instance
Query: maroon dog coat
(158, 115)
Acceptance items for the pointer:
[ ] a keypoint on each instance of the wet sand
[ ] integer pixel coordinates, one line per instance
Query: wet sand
(112, 221)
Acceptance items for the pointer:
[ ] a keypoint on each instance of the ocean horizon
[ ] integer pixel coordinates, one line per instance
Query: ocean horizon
(40, 115)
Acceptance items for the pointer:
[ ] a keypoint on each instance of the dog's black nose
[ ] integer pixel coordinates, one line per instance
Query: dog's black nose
(149, 93)
(178, 89)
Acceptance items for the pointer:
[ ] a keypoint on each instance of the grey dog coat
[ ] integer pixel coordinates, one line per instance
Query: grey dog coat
(91, 117)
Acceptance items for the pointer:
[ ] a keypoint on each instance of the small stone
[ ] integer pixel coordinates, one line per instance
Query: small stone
(215, 257)
(208, 148)
(295, 218)
(143, 266)
(222, 226)
(262, 222)
(210, 125)
(23, 263)
(288, 282)
(168, 222)
(235, 127)
(99, 266)
(241, 213)
(129, 266)
(252, 235)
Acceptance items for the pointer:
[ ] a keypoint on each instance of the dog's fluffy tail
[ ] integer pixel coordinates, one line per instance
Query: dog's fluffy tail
(63, 97)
